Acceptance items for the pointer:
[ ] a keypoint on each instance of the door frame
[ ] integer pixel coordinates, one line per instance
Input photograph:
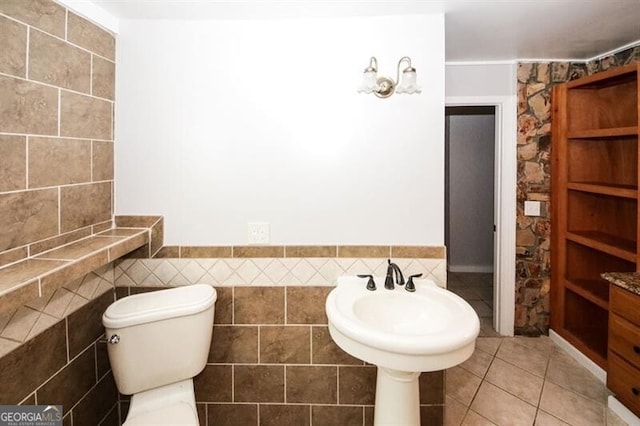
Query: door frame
(505, 201)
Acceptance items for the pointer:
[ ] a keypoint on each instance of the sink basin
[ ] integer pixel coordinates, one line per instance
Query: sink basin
(402, 333)
(428, 330)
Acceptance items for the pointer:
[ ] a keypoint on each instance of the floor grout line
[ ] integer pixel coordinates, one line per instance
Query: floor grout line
(458, 283)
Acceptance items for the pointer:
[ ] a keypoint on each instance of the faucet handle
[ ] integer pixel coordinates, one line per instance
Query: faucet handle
(410, 285)
(371, 284)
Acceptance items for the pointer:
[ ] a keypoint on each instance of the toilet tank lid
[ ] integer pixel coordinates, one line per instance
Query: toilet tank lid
(159, 305)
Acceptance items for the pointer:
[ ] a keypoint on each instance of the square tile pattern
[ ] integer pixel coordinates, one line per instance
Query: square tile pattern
(267, 359)
(518, 380)
(477, 290)
(272, 361)
(499, 386)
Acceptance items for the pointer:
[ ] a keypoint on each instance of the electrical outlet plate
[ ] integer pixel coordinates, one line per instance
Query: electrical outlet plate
(258, 233)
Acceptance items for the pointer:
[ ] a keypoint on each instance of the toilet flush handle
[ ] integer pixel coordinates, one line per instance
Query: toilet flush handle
(114, 339)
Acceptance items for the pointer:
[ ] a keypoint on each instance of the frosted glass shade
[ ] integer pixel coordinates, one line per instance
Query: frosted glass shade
(408, 83)
(369, 82)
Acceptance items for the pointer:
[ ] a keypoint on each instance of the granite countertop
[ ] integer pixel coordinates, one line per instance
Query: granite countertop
(627, 280)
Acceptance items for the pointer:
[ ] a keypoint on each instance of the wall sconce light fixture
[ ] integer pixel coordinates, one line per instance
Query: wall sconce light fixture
(383, 87)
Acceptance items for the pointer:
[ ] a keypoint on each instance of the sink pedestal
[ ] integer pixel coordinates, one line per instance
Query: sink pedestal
(397, 398)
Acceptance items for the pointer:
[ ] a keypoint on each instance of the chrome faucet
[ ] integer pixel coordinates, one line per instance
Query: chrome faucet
(388, 281)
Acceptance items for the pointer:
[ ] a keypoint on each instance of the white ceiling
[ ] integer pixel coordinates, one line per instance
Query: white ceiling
(476, 30)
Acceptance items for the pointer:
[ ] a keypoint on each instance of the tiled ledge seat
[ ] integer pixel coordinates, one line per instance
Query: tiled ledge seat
(45, 272)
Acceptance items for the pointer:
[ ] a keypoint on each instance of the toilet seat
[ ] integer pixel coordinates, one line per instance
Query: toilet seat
(173, 405)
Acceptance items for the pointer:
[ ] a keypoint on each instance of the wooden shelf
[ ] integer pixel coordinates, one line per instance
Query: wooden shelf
(603, 103)
(595, 291)
(611, 77)
(624, 191)
(615, 246)
(594, 201)
(603, 133)
(587, 322)
(588, 346)
(607, 162)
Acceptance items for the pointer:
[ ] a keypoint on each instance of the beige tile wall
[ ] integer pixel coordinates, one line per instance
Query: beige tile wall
(156, 236)
(66, 365)
(57, 74)
(40, 313)
(272, 358)
(56, 185)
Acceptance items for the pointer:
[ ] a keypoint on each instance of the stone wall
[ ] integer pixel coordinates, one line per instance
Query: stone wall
(533, 271)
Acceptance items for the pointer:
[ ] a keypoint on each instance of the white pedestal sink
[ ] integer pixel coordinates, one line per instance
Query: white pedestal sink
(403, 334)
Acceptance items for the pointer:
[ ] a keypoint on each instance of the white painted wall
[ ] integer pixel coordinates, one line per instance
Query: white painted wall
(471, 140)
(220, 123)
(481, 79)
(475, 84)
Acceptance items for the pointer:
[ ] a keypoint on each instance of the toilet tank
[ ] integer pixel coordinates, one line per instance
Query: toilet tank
(163, 336)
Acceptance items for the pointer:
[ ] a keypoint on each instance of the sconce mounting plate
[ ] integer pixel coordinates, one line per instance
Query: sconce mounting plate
(386, 87)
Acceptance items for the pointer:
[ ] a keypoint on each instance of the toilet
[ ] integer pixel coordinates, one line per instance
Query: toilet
(157, 343)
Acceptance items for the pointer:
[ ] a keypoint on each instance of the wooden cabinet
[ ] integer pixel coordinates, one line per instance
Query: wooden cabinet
(623, 375)
(594, 201)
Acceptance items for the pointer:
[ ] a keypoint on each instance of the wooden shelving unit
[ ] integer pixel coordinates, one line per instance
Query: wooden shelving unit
(594, 201)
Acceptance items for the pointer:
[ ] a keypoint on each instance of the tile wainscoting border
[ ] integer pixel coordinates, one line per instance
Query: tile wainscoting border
(277, 265)
(265, 271)
(357, 251)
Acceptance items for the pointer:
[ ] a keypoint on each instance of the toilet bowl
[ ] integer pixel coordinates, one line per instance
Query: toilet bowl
(157, 343)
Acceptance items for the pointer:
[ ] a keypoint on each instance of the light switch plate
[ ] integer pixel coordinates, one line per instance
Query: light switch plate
(258, 233)
(532, 208)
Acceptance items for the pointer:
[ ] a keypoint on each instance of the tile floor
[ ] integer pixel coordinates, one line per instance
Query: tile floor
(514, 381)
(477, 289)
